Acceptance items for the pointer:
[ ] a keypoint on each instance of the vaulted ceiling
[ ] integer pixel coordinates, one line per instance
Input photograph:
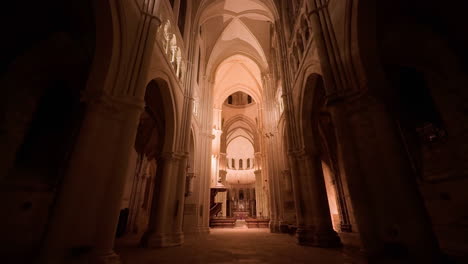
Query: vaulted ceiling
(237, 36)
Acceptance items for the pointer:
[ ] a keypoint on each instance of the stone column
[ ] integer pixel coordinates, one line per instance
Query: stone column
(279, 184)
(179, 180)
(163, 230)
(259, 193)
(85, 219)
(190, 224)
(134, 206)
(205, 182)
(222, 196)
(273, 196)
(288, 201)
(205, 153)
(314, 221)
(386, 200)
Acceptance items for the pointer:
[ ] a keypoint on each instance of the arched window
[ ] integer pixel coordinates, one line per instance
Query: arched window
(240, 164)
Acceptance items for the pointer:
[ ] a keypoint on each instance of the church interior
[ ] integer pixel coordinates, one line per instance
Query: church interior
(234, 131)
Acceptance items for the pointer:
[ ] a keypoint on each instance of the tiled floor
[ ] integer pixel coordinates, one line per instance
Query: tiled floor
(236, 245)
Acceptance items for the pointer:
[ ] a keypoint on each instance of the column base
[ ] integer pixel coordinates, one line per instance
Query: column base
(197, 230)
(327, 239)
(105, 258)
(275, 226)
(153, 240)
(284, 227)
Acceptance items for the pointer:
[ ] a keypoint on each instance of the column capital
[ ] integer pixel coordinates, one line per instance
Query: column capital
(172, 156)
(301, 153)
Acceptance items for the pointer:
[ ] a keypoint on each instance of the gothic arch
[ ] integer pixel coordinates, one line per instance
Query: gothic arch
(233, 138)
(56, 57)
(313, 96)
(253, 132)
(167, 103)
(242, 118)
(221, 97)
(249, 68)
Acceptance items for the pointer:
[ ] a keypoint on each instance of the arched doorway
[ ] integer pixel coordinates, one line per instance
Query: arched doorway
(165, 204)
(149, 144)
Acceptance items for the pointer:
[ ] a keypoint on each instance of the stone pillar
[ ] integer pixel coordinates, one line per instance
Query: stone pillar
(271, 171)
(205, 182)
(259, 193)
(85, 218)
(191, 218)
(163, 228)
(178, 198)
(197, 203)
(367, 133)
(204, 157)
(314, 221)
(273, 196)
(135, 200)
(222, 196)
(288, 201)
(278, 181)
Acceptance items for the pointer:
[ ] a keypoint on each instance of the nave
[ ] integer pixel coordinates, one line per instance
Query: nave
(237, 245)
(148, 124)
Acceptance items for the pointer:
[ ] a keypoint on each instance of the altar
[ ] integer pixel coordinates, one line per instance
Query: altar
(241, 214)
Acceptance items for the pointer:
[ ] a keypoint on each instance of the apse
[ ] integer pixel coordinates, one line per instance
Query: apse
(240, 156)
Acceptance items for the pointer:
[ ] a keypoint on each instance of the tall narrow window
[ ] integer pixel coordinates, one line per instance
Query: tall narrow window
(181, 17)
(233, 164)
(248, 164)
(240, 164)
(230, 99)
(249, 99)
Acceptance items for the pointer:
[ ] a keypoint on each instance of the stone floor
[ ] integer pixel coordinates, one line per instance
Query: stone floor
(237, 245)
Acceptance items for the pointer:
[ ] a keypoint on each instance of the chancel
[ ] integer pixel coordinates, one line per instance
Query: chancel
(228, 131)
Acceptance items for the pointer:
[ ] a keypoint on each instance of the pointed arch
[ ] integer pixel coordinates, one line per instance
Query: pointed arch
(313, 99)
